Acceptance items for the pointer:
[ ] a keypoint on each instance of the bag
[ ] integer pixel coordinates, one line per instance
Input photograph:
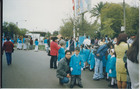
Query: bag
(49, 53)
(12, 50)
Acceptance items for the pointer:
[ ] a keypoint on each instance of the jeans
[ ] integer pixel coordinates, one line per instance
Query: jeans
(98, 72)
(9, 58)
(64, 80)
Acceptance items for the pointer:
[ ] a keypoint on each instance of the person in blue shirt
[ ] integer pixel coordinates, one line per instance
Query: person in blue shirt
(12, 40)
(83, 54)
(101, 51)
(24, 45)
(61, 52)
(107, 66)
(87, 52)
(20, 44)
(76, 66)
(112, 69)
(91, 60)
(46, 45)
(67, 44)
(36, 45)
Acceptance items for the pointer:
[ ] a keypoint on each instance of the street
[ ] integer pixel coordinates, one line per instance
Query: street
(31, 69)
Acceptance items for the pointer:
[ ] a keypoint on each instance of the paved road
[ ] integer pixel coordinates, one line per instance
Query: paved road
(30, 69)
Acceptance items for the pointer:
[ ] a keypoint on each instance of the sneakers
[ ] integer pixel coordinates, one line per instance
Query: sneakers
(80, 85)
(112, 86)
(96, 79)
(71, 86)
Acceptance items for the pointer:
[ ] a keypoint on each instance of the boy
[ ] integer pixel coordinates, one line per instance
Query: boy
(61, 52)
(76, 66)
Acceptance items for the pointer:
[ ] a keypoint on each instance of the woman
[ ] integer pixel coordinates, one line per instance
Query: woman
(72, 45)
(120, 49)
(54, 52)
(133, 63)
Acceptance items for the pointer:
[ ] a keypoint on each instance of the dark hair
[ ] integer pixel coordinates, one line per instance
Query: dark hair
(36, 39)
(61, 37)
(7, 38)
(54, 38)
(86, 36)
(67, 52)
(122, 38)
(109, 44)
(134, 50)
(77, 48)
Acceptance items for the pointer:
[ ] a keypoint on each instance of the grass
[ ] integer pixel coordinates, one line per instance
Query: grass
(40, 47)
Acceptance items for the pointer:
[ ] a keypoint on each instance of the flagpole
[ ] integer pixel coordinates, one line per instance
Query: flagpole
(74, 18)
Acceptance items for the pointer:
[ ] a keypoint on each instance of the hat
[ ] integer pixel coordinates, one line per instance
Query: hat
(77, 48)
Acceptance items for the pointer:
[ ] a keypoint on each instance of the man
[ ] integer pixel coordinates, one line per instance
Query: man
(63, 70)
(101, 51)
(31, 43)
(8, 47)
(87, 41)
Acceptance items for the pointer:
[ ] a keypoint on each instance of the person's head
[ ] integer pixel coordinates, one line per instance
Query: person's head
(133, 51)
(111, 46)
(87, 37)
(77, 50)
(55, 39)
(68, 54)
(61, 38)
(122, 38)
(82, 46)
(36, 39)
(112, 52)
(7, 38)
(62, 44)
(71, 38)
(103, 39)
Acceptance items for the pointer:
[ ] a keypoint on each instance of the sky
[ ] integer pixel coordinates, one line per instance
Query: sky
(44, 15)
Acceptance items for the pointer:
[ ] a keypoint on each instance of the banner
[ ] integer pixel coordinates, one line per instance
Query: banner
(82, 6)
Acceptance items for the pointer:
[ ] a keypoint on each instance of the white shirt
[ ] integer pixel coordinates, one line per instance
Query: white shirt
(133, 70)
(87, 42)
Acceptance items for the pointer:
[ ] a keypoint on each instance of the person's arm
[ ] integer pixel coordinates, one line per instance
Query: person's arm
(57, 47)
(60, 69)
(82, 63)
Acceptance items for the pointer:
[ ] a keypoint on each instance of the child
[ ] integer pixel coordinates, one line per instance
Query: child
(112, 68)
(61, 52)
(76, 66)
(20, 44)
(87, 52)
(82, 53)
(91, 60)
(108, 61)
(45, 43)
(107, 66)
(36, 45)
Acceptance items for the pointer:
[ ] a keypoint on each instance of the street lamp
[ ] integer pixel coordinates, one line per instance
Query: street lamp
(20, 20)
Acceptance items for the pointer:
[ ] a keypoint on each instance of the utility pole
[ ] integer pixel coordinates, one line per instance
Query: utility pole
(124, 16)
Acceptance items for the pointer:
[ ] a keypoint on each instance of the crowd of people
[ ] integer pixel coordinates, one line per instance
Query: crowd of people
(104, 57)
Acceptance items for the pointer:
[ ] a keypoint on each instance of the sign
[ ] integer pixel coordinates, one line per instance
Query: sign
(82, 6)
(122, 28)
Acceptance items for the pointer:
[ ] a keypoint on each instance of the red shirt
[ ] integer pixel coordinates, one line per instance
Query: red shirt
(54, 48)
(8, 46)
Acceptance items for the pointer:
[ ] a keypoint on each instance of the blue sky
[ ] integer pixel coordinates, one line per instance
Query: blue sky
(43, 15)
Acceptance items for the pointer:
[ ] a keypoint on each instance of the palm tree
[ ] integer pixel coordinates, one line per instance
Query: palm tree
(96, 11)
